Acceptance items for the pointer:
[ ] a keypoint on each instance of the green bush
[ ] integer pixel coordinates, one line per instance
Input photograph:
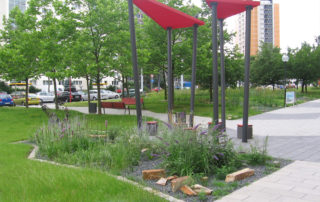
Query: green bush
(187, 153)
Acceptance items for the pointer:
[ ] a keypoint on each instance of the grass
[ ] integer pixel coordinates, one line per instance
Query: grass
(261, 100)
(26, 180)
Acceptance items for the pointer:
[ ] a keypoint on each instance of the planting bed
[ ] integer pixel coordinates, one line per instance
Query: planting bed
(219, 187)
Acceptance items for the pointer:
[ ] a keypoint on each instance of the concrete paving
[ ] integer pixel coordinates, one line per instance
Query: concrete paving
(297, 182)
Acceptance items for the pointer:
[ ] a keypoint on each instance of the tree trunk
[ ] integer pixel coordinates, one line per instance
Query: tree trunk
(302, 87)
(173, 85)
(99, 91)
(210, 89)
(55, 93)
(87, 79)
(127, 87)
(165, 85)
(306, 86)
(158, 82)
(27, 93)
(272, 87)
(122, 85)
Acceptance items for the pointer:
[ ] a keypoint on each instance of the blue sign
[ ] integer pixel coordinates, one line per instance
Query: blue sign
(152, 80)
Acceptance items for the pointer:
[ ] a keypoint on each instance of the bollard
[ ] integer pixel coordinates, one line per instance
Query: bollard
(239, 131)
(152, 127)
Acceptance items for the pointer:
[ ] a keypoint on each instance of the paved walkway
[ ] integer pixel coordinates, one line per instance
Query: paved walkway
(297, 182)
(293, 133)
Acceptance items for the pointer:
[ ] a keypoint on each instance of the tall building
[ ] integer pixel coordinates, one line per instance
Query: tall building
(265, 26)
(7, 5)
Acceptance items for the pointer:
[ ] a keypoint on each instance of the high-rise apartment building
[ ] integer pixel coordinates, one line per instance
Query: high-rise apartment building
(7, 5)
(265, 26)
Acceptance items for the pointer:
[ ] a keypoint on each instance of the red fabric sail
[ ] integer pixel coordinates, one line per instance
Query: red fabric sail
(166, 16)
(227, 8)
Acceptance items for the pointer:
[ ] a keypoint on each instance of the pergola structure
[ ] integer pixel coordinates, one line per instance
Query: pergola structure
(168, 18)
(222, 9)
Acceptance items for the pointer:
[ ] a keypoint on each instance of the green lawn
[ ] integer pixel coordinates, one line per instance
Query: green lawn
(26, 180)
(261, 100)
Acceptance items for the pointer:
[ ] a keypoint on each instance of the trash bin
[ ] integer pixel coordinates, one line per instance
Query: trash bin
(93, 108)
(239, 131)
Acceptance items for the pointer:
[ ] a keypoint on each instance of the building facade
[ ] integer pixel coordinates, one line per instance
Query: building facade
(7, 5)
(265, 26)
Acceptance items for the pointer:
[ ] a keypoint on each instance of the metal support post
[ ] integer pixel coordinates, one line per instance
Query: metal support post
(215, 64)
(223, 80)
(285, 84)
(135, 64)
(170, 87)
(246, 76)
(194, 68)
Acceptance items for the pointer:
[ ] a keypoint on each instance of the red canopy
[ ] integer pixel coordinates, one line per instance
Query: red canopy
(166, 16)
(227, 8)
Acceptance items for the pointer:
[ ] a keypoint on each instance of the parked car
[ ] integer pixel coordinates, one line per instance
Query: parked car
(111, 95)
(104, 95)
(32, 100)
(84, 96)
(6, 100)
(131, 93)
(65, 97)
(45, 97)
(17, 94)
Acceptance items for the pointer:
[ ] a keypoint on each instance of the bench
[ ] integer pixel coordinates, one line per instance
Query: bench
(113, 105)
(131, 101)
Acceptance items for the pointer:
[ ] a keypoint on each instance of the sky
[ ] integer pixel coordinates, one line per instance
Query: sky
(299, 22)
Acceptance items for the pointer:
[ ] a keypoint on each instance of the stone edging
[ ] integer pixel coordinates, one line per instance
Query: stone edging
(32, 156)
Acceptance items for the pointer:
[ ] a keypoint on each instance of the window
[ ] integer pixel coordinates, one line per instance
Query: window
(21, 4)
(45, 83)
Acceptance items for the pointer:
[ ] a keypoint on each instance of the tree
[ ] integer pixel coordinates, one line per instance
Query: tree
(305, 65)
(20, 53)
(99, 22)
(55, 35)
(267, 68)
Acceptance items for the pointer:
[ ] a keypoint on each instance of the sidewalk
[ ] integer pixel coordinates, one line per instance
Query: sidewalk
(297, 182)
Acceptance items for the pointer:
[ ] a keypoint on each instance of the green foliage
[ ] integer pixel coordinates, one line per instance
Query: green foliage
(304, 64)
(41, 181)
(267, 67)
(256, 156)
(186, 153)
(68, 141)
(222, 188)
(33, 89)
(4, 87)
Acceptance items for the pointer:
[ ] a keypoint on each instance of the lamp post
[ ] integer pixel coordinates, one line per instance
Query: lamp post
(285, 59)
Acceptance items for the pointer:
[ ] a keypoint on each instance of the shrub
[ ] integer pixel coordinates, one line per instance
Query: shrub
(187, 153)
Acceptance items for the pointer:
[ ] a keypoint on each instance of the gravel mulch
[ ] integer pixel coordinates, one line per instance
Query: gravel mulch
(135, 174)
